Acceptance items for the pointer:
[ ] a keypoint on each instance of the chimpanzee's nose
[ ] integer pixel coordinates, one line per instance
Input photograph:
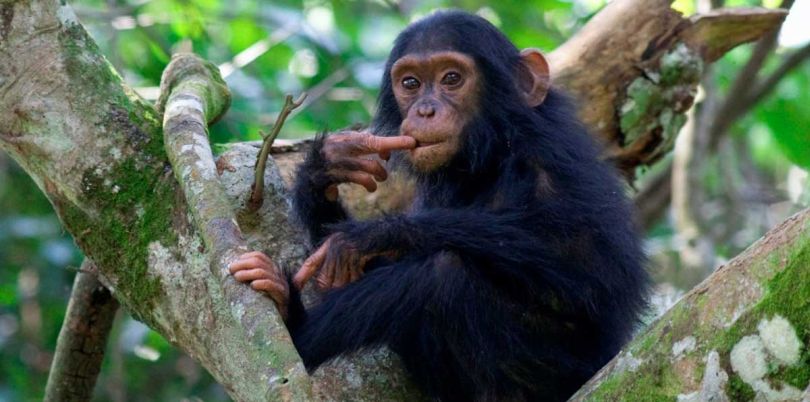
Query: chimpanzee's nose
(426, 109)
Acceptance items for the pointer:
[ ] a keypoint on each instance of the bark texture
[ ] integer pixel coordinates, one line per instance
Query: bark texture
(742, 334)
(644, 61)
(193, 95)
(82, 339)
(99, 154)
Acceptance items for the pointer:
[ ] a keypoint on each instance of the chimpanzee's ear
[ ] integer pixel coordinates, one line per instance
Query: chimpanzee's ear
(533, 76)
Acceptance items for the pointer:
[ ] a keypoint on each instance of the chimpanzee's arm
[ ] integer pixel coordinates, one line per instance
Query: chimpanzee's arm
(519, 246)
(502, 236)
(457, 338)
(338, 159)
(372, 312)
(310, 204)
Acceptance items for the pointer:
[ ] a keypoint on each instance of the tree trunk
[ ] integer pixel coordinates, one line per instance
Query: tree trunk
(98, 153)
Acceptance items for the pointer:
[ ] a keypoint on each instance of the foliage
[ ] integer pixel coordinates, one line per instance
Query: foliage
(318, 46)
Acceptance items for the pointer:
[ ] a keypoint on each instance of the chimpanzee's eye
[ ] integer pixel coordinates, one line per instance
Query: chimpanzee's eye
(410, 83)
(451, 78)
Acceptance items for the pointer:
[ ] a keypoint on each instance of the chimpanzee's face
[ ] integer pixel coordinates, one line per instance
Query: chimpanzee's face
(437, 94)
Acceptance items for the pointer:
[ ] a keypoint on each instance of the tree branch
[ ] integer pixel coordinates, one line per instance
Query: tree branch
(644, 63)
(766, 283)
(257, 190)
(765, 86)
(738, 100)
(194, 94)
(731, 108)
(82, 339)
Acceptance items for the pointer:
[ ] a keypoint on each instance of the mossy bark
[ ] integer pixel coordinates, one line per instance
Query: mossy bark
(97, 151)
(743, 333)
(635, 66)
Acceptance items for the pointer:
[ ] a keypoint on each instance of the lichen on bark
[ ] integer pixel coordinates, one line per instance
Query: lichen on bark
(658, 100)
(761, 292)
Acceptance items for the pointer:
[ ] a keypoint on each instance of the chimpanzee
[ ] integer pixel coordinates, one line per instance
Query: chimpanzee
(516, 273)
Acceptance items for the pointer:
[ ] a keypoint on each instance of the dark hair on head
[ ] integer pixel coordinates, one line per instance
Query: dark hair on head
(492, 51)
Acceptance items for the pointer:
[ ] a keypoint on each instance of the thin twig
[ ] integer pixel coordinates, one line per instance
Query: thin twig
(735, 103)
(730, 108)
(765, 86)
(256, 196)
(323, 87)
(654, 198)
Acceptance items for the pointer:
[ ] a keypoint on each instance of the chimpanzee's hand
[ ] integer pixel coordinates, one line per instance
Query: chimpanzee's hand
(261, 273)
(336, 262)
(344, 163)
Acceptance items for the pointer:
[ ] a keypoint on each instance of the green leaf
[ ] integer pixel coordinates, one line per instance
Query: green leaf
(786, 115)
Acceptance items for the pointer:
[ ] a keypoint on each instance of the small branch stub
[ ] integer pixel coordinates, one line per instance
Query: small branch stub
(257, 190)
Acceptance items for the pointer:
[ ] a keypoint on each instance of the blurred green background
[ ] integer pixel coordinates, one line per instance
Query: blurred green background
(334, 50)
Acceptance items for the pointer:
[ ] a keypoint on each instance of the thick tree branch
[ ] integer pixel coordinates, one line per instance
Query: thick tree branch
(82, 339)
(696, 351)
(735, 104)
(97, 152)
(644, 62)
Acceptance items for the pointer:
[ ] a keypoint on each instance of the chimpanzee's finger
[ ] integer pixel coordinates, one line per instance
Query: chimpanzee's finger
(253, 262)
(311, 265)
(347, 176)
(327, 275)
(277, 291)
(364, 165)
(363, 179)
(359, 269)
(252, 275)
(357, 274)
(351, 276)
(331, 193)
(355, 176)
(341, 277)
(378, 144)
(321, 281)
(257, 254)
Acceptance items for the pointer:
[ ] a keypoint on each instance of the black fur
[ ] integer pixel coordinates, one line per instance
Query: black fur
(313, 210)
(522, 272)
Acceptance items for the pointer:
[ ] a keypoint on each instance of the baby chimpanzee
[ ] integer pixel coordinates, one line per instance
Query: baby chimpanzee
(516, 274)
